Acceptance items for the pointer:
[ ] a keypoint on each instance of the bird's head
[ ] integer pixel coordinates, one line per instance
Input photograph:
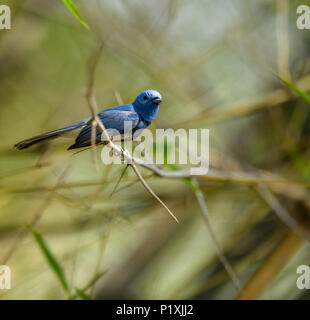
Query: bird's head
(147, 104)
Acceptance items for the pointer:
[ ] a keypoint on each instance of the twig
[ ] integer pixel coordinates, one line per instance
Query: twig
(119, 180)
(146, 186)
(93, 144)
(93, 61)
(92, 64)
(221, 256)
(220, 175)
(133, 183)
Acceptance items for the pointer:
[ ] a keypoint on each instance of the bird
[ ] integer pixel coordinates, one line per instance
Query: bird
(141, 112)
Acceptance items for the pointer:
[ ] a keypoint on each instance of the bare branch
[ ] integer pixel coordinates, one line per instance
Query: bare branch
(92, 64)
(93, 143)
(133, 183)
(221, 175)
(119, 180)
(146, 186)
(89, 92)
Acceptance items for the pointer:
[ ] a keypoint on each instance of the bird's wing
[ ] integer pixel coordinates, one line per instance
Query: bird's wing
(111, 119)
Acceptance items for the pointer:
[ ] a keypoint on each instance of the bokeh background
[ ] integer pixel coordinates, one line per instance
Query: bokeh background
(216, 65)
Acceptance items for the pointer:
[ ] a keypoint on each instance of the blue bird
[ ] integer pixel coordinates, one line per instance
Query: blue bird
(141, 112)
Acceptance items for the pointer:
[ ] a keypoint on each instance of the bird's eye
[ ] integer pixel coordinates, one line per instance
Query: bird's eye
(145, 97)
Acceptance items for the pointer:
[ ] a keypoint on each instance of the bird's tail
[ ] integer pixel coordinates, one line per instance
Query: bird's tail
(48, 135)
(33, 140)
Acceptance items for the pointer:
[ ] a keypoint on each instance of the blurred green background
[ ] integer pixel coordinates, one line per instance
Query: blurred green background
(214, 62)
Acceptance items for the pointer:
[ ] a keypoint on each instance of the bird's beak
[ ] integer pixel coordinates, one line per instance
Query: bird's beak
(156, 100)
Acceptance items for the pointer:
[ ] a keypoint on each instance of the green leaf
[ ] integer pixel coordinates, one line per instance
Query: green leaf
(52, 261)
(82, 294)
(193, 186)
(72, 7)
(301, 93)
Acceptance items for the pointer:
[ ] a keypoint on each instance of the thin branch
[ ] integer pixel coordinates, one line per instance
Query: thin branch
(221, 256)
(119, 180)
(93, 144)
(93, 61)
(147, 187)
(133, 183)
(221, 175)
(92, 64)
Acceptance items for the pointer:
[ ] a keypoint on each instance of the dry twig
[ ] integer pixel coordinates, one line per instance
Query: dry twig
(91, 99)
(147, 187)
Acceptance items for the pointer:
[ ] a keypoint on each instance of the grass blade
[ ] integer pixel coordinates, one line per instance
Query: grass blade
(72, 7)
(52, 261)
(187, 181)
(82, 294)
(301, 93)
